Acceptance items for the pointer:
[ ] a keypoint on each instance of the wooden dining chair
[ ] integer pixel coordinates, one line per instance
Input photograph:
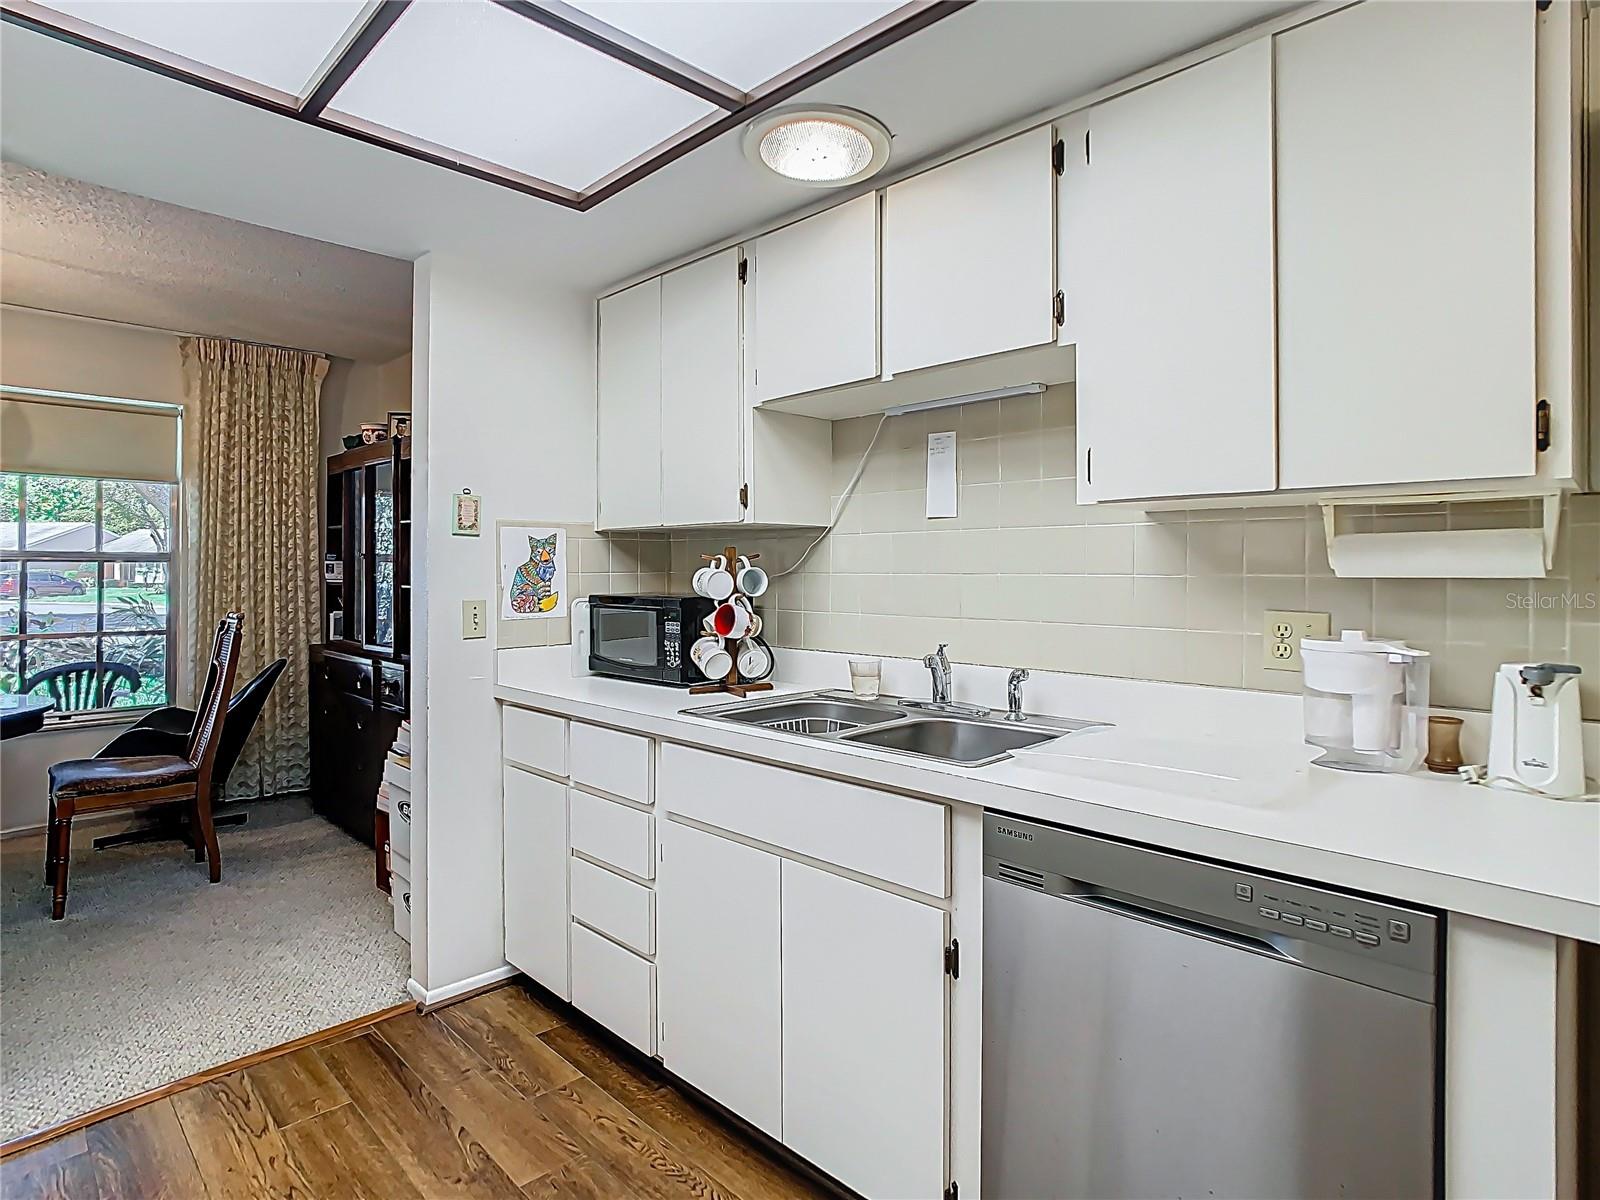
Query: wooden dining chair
(85, 785)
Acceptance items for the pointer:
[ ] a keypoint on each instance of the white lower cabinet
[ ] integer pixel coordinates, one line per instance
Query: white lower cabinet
(720, 986)
(535, 819)
(813, 1005)
(864, 1001)
(811, 1000)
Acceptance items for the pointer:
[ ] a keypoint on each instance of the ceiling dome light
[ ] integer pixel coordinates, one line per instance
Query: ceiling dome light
(818, 145)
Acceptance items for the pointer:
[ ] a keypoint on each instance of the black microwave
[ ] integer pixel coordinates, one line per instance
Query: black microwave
(646, 637)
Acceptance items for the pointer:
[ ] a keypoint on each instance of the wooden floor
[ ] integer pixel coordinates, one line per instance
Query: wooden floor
(499, 1096)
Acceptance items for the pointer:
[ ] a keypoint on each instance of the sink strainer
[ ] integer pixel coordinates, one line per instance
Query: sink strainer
(810, 725)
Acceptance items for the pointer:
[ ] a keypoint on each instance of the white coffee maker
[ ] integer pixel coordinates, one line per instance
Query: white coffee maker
(1366, 702)
(1536, 730)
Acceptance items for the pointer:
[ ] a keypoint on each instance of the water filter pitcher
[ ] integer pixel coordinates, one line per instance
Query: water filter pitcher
(1366, 702)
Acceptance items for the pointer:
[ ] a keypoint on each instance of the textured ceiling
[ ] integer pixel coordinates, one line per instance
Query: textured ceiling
(73, 247)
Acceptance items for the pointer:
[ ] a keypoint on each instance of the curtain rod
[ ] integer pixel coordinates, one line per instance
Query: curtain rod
(50, 312)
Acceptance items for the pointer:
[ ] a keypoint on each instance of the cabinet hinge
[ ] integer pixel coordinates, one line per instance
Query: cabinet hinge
(952, 959)
(1541, 425)
(1542, 5)
(1060, 309)
(744, 495)
(1088, 465)
(953, 1192)
(1058, 156)
(744, 270)
(1086, 145)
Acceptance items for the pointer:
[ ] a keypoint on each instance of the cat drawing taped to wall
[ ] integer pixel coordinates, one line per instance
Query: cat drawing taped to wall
(531, 590)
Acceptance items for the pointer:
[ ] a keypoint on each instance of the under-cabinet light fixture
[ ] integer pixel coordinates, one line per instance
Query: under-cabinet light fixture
(1005, 393)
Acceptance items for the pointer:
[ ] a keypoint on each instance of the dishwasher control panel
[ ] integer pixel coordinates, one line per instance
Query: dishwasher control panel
(1305, 922)
(1346, 920)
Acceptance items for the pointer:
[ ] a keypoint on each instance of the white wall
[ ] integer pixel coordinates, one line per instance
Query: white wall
(503, 401)
(24, 786)
(358, 392)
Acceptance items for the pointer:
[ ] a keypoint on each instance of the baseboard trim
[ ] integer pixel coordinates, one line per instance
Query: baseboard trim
(38, 1137)
(430, 999)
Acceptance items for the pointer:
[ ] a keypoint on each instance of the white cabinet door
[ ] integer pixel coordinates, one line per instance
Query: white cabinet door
(701, 411)
(864, 1003)
(816, 301)
(629, 425)
(718, 942)
(1405, 244)
(969, 256)
(535, 850)
(1166, 270)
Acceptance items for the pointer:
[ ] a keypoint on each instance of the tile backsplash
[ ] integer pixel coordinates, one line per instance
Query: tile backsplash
(1025, 576)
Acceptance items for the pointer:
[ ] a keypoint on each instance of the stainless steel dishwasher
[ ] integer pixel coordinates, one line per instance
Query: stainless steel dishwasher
(1159, 1026)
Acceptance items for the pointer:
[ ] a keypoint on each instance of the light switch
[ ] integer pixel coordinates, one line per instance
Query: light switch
(472, 625)
(1282, 632)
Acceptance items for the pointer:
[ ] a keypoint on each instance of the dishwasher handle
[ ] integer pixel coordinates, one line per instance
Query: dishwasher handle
(1092, 897)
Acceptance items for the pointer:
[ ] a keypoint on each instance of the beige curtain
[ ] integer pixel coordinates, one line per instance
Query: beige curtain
(251, 536)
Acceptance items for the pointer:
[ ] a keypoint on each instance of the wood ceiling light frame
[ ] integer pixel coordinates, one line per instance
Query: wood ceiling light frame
(737, 106)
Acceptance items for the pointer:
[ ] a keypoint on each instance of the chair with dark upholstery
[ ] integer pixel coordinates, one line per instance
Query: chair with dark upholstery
(165, 732)
(102, 784)
(79, 686)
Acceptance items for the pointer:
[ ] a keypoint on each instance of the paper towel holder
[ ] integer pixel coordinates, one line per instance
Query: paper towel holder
(1527, 552)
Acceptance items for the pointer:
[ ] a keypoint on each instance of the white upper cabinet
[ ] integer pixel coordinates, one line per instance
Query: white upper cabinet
(816, 302)
(718, 964)
(1405, 190)
(969, 256)
(864, 1012)
(1166, 270)
(629, 402)
(702, 464)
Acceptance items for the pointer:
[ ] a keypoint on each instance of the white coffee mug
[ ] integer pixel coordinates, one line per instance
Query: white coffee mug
(752, 580)
(714, 581)
(733, 617)
(755, 659)
(713, 659)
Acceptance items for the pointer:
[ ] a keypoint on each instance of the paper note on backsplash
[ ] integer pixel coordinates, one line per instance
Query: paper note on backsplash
(941, 474)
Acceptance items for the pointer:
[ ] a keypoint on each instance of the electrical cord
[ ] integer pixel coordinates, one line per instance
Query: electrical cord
(838, 511)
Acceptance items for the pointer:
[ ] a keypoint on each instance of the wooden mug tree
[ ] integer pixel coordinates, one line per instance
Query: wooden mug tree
(732, 683)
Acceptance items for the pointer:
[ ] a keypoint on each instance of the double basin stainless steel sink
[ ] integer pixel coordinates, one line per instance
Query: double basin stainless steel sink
(963, 734)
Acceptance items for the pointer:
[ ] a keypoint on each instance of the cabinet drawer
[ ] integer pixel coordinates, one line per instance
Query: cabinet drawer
(613, 833)
(534, 739)
(610, 761)
(616, 906)
(614, 986)
(861, 829)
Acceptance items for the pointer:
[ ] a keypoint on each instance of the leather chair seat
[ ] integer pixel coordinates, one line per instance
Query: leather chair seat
(80, 777)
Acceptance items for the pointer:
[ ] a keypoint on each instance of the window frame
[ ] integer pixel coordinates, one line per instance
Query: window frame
(21, 558)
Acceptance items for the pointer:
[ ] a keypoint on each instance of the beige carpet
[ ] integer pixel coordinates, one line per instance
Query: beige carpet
(156, 974)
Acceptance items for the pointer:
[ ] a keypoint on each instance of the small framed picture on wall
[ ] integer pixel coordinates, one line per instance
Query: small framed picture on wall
(399, 424)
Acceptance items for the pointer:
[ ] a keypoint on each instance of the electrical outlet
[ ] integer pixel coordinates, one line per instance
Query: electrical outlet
(472, 619)
(1282, 633)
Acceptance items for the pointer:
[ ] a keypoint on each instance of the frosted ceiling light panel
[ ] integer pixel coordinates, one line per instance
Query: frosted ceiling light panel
(280, 44)
(742, 42)
(482, 81)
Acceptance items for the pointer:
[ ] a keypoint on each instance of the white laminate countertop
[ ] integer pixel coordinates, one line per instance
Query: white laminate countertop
(1422, 838)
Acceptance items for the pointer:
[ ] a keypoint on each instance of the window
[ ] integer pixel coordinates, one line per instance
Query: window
(86, 582)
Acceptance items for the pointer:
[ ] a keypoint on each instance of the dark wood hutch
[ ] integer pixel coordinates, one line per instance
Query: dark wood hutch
(360, 673)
